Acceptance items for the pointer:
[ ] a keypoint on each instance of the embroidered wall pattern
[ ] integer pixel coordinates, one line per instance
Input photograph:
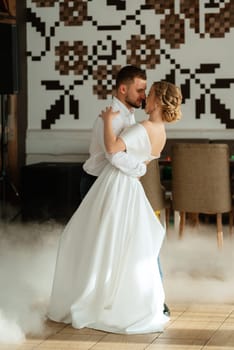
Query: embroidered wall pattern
(76, 47)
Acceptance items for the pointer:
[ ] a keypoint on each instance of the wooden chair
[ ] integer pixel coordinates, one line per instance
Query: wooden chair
(155, 192)
(201, 182)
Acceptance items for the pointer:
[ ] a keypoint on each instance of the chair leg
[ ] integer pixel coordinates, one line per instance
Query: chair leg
(182, 223)
(231, 222)
(167, 214)
(219, 230)
(194, 219)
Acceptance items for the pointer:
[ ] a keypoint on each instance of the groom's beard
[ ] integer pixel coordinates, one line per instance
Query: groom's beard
(134, 104)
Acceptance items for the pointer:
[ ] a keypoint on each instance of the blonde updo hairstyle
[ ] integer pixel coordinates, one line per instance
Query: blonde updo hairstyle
(170, 98)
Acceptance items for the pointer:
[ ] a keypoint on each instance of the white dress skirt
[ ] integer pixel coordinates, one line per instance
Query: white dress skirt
(106, 275)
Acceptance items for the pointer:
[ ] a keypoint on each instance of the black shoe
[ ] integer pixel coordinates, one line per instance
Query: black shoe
(166, 310)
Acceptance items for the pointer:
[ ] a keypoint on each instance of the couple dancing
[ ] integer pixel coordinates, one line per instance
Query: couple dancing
(106, 274)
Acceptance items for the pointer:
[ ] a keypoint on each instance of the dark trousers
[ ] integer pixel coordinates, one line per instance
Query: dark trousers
(86, 181)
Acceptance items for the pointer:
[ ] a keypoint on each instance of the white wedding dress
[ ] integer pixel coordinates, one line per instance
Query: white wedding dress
(106, 274)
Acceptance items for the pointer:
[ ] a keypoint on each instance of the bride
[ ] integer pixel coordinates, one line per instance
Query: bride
(106, 275)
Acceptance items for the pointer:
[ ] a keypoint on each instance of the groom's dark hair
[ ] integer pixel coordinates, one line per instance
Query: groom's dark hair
(128, 74)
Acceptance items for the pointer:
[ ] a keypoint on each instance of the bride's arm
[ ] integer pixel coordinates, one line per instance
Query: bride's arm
(113, 143)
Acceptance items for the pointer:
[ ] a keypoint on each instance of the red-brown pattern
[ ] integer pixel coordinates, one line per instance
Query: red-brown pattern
(71, 58)
(218, 24)
(73, 13)
(143, 51)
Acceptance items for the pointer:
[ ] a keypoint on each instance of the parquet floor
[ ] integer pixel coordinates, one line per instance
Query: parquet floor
(192, 327)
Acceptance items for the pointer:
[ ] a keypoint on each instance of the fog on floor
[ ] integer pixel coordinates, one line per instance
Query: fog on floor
(194, 270)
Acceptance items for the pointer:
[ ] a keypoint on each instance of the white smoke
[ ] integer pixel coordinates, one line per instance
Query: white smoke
(194, 270)
(27, 260)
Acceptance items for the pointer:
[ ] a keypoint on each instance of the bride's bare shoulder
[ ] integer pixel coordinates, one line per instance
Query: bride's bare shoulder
(147, 124)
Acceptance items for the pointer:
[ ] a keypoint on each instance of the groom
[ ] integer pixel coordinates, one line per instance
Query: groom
(130, 94)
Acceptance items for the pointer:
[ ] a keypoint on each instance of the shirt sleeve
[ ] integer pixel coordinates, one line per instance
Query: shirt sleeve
(127, 163)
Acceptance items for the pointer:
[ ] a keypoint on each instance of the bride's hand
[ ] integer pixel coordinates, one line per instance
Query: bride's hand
(108, 113)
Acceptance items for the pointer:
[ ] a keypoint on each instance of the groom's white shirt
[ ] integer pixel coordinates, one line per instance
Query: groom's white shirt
(99, 158)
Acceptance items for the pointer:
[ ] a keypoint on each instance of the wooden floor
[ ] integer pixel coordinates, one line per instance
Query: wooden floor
(195, 327)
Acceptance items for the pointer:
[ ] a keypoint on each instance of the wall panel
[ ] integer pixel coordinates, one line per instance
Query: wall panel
(74, 49)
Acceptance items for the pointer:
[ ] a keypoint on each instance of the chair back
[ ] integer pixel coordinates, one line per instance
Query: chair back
(201, 178)
(152, 186)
